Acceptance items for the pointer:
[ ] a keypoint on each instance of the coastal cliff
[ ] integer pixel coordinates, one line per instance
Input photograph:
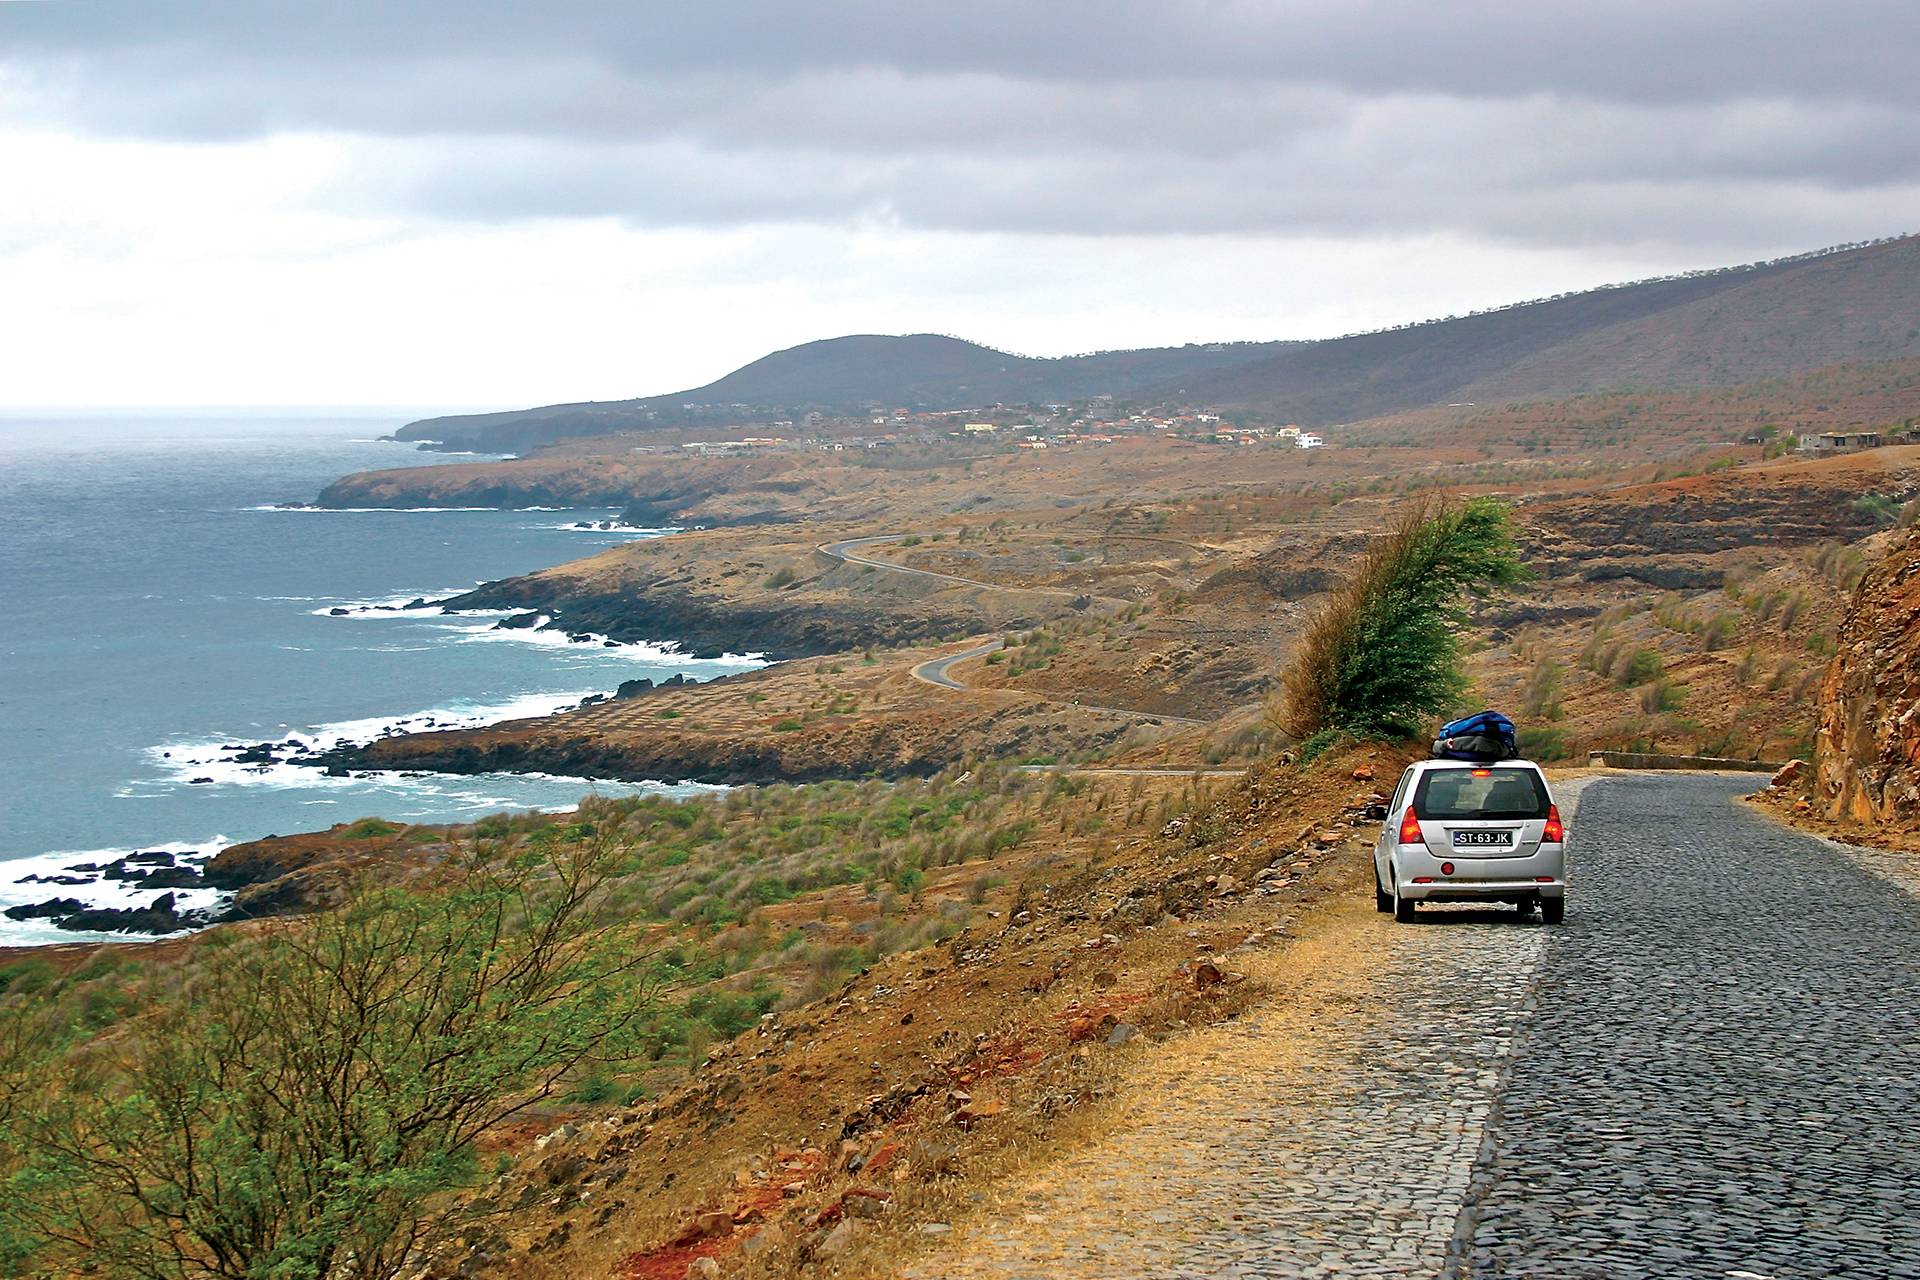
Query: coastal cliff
(721, 591)
(712, 626)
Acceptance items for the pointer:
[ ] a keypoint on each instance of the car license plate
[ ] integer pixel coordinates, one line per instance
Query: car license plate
(1483, 839)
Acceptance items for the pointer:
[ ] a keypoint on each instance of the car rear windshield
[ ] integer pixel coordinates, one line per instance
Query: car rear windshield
(1493, 792)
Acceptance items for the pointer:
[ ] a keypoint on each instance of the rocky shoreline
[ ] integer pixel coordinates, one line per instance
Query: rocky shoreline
(272, 876)
(535, 746)
(158, 869)
(705, 628)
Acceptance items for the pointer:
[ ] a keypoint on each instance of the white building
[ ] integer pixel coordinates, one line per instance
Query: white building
(1308, 440)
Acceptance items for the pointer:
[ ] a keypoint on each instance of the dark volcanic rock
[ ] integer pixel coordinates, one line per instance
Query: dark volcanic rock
(159, 916)
(710, 628)
(174, 878)
(51, 909)
(1670, 534)
(634, 688)
(162, 915)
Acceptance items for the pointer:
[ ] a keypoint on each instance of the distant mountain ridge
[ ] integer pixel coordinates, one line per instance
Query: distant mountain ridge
(1710, 328)
(914, 371)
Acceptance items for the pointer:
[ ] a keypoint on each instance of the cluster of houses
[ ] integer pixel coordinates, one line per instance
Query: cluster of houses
(1204, 426)
(733, 448)
(1848, 441)
(1056, 428)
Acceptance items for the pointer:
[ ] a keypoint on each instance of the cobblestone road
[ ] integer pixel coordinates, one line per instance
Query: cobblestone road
(1708, 1072)
(1720, 1076)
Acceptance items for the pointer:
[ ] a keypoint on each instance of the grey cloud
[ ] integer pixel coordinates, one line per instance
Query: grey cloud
(1636, 49)
(1722, 125)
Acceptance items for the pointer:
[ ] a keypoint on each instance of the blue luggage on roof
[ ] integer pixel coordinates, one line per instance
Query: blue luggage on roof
(1482, 737)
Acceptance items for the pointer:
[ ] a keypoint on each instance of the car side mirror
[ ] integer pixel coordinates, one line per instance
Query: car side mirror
(1377, 812)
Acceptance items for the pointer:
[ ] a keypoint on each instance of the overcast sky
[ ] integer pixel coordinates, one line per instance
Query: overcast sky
(449, 203)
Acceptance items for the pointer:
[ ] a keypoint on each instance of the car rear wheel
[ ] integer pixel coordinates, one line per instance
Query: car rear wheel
(1382, 900)
(1553, 910)
(1402, 907)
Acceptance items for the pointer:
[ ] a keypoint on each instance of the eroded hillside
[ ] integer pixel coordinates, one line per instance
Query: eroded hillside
(1867, 750)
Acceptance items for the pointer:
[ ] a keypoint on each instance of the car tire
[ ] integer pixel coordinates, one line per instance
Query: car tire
(1553, 910)
(1402, 908)
(1382, 900)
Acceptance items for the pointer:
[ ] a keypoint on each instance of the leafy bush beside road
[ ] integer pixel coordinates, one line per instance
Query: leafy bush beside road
(1382, 657)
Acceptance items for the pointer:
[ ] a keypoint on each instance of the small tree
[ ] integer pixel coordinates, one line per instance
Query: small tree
(290, 1108)
(1381, 657)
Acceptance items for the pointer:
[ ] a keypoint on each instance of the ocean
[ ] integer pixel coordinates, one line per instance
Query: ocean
(159, 603)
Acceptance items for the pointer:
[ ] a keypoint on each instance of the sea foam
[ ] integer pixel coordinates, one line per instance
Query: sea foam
(101, 892)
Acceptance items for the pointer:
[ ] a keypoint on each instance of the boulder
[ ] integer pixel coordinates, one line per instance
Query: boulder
(51, 909)
(159, 916)
(843, 1237)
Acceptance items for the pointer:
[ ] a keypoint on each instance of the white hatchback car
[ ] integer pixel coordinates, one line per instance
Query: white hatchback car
(1460, 832)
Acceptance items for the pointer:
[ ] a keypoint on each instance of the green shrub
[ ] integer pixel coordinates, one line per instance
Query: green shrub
(1881, 508)
(1663, 695)
(1541, 743)
(298, 1108)
(1718, 630)
(1382, 657)
(369, 829)
(1639, 667)
(1541, 695)
(24, 977)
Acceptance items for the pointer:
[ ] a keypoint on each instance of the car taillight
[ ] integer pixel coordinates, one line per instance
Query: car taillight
(1410, 827)
(1554, 833)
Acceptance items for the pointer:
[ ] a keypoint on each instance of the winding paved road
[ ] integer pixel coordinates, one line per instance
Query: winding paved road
(1709, 1071)
(848, 549)
(935, 670)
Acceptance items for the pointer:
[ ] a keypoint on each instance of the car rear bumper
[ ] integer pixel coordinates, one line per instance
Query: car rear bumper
(1542, 874)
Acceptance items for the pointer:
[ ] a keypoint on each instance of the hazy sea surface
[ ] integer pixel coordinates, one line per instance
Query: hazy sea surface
(156, 605)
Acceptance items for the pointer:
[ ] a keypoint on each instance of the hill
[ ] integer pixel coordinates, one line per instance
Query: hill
(1702, 329)
(918, 371)
(1709, 329)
